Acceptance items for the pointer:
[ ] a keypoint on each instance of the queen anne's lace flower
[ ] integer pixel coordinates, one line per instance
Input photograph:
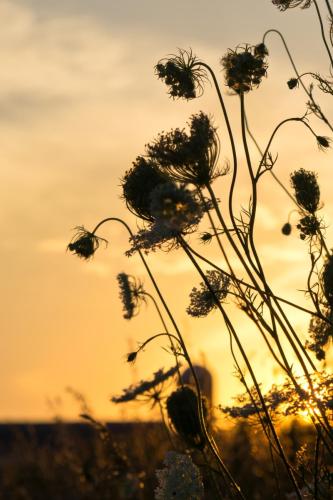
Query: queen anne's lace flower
(188, 158)
(175, 211)
(84, 243)
(245, 67)
(131, 294)
(145, 386)
(183, 74)
(203, 300)
(179, 479)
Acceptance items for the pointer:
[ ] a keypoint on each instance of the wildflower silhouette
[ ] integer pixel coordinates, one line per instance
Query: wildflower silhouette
(84, 244)
(183, 74)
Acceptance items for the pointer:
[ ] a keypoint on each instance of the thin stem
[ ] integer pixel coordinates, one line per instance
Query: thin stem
(209, 439)
(152, 298)
(323, 32)
(323, 117)
(316, 465)
(248, 365)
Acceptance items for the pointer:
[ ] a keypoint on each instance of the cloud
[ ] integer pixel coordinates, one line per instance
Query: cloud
(50, 63)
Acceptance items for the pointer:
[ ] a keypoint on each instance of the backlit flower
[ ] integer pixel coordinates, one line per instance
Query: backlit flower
(182, 408)
(145, 387)
(183, 74)
(180, 478)
(244, 67)
(84, 244)
(188, 158)
(131, 294)
(175, 212)
(202, 300)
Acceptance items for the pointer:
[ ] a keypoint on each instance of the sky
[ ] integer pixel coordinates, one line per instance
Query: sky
(78, 102)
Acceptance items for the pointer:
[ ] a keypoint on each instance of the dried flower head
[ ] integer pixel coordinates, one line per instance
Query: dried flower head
(307, 192)
(293, 83)
(176, 211)
(244, 67)
(188, 158)
(137, 185)
(327, 280)
(183, 74)
(180, 478)
(203, 301)
(290, 4)
(286, 229)
(182, 408)
(131, 294)
(147, 388)
(84, 244)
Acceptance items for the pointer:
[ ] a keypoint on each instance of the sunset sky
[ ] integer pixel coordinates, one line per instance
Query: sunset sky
(78, 102)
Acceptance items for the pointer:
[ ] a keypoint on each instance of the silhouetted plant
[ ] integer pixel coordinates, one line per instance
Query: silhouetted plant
(170, 190)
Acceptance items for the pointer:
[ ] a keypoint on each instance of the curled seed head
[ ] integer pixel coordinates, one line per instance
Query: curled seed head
(84, 244)
(245, 67)
(182, 407)
(183, 75)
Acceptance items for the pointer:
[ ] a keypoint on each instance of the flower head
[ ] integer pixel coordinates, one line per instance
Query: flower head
(137, 185)
(244, 67)
(175, 212)
(183, 74)
(182, 407)
(188, 158)
(84, 244)
(203, 300)
(307, 192)
(131, 293)
(145, 387)
(290, 4)
(180, 478)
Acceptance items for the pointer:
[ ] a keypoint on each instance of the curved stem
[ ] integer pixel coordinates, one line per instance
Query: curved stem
(323, 117)
(248, 365)
(152, 298)
(209, 439)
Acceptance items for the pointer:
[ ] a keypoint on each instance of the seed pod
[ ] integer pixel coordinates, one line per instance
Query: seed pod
(182, 407)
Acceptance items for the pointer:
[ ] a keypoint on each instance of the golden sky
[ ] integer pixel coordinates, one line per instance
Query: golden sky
(78, 102)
